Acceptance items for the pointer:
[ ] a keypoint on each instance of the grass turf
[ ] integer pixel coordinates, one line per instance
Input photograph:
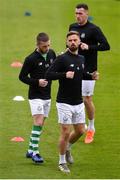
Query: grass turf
(99, 160)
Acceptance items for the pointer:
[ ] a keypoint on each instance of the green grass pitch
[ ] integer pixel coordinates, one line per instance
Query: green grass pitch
(99, 160)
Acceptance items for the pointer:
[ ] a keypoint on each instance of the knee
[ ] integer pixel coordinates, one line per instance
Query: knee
(81, 131)
(87, 99)
(38, 120)
(65, 134)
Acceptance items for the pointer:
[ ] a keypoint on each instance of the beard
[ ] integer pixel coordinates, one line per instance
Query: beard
(73, 48)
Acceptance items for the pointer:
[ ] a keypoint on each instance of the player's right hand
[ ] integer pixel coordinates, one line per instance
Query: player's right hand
(70, 74)
(43, 82)
(84, 46)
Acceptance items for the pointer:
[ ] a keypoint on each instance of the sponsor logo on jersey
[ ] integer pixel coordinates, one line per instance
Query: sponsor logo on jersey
(40, 64)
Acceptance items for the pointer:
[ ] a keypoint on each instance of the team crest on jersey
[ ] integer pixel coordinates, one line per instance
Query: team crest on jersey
(40, 64)
(82, 35)
(71, 65)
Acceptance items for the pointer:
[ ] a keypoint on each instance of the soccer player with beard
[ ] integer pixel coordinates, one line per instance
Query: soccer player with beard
(68, 68)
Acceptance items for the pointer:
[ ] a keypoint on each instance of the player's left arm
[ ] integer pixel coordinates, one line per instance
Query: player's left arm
(101, 41)
(87, 75)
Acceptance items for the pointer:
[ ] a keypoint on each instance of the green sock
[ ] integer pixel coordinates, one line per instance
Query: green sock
(30, 149)
(34, 139)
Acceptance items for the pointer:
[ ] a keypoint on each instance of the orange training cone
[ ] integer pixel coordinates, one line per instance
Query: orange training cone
(17, 139)
(16, 64)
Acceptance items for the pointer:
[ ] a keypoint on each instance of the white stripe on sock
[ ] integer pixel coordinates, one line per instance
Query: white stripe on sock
(35, 138)
(36, 132)
(35, 145)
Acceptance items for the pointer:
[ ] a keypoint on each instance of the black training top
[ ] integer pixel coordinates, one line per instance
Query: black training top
(33, 69)
(69, 89)
(94, 37)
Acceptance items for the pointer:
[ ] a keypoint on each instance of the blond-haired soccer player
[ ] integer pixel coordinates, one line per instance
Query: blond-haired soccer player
(39, 95)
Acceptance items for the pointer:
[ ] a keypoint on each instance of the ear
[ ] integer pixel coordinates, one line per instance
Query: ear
(66, 43)
(79, 42)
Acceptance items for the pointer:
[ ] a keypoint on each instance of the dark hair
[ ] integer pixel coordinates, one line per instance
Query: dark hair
(42, 37)
(82, 5)
(72, 33)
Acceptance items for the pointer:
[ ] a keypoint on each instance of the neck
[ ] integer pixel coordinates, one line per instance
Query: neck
(73, 52)
(82, 24)
(38, 50)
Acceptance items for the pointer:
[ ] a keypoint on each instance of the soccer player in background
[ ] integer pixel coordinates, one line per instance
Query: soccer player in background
(39, 95)
(93, 40)
(68, 68)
